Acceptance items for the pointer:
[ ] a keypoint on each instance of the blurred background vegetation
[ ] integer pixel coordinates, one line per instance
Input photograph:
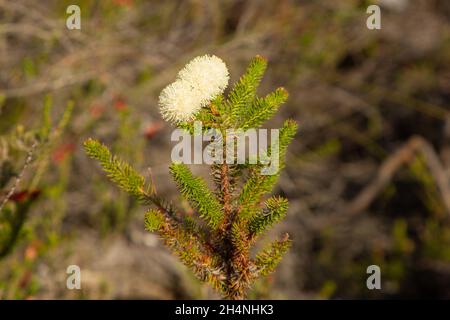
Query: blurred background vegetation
(368, 176)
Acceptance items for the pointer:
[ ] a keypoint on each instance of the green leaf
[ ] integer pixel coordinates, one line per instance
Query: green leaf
(263, 109)
(197, 192)
(275, 210)
(257, 184)
(153, 220)
(244, 91)
(268, 259)
(118, 171)
(287, 133)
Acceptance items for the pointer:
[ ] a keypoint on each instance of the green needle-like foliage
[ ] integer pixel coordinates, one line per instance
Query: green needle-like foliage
(268, 259)
(154, 219)
(195, 190)
(275, 210)
(244, 91)
(257, 184)
(263, 109)
(215, 241)
(118, 171)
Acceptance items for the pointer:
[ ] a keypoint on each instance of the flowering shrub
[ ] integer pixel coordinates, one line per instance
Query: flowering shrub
(215, 242)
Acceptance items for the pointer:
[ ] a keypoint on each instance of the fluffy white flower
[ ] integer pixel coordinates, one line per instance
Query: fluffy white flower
(207, 74)
(179, 102)
(197, 84)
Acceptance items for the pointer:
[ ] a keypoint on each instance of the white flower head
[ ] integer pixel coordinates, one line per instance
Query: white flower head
(179, 102)
(200, 81)
(207, 74)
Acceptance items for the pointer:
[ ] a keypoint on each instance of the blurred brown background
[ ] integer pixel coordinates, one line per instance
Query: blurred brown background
(367, 176)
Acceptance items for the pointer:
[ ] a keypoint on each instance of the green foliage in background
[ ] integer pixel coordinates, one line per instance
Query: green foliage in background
(24, 161)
